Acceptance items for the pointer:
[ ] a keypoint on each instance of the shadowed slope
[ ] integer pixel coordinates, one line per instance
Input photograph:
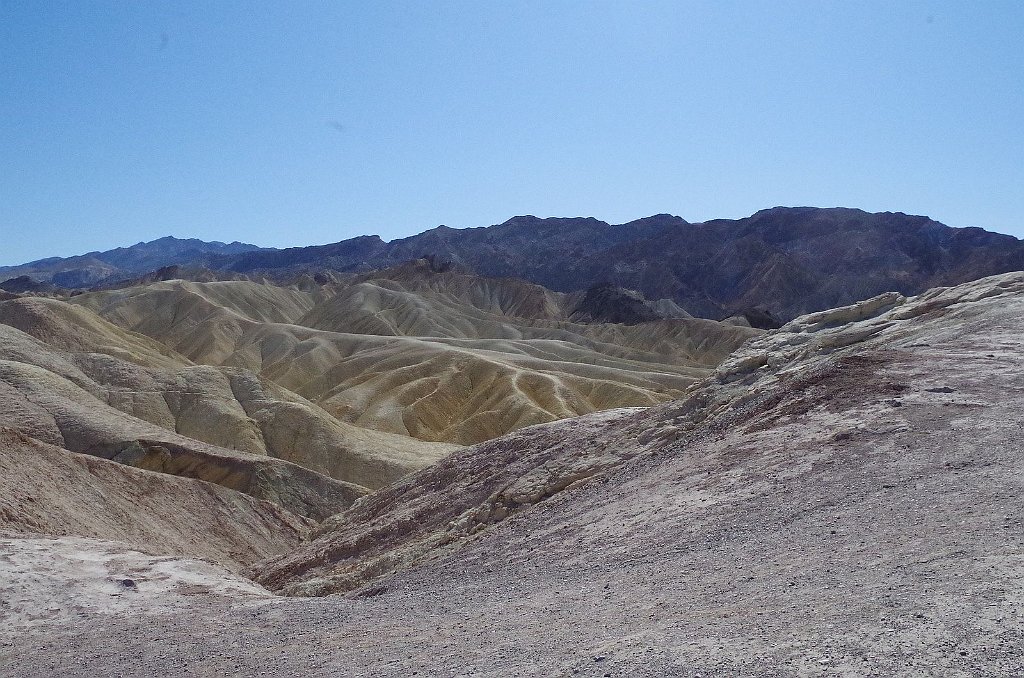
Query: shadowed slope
(48, 490)
(66, 327)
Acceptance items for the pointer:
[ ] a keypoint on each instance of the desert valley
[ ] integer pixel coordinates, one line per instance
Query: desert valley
(545, 447)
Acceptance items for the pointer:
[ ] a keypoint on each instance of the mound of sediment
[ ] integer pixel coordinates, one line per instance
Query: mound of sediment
(94, 388)
(436, 355)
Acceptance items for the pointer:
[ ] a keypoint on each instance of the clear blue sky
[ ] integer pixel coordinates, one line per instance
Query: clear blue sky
(286, 123)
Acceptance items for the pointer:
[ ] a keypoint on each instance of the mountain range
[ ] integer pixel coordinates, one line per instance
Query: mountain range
(122, 263)
(770, 267)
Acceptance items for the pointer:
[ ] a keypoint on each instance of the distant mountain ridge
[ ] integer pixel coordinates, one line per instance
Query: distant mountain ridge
(777, 263)
(89, 269)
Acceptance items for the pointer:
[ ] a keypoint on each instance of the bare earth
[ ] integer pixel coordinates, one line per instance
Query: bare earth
(842, 498)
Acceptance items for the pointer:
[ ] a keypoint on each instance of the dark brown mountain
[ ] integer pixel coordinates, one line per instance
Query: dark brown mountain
(24, 283)
(789, 261)
(775, 264)
(610, 304)
(769, 267)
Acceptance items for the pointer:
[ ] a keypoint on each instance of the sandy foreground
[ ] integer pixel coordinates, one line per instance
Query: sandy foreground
(47, 581)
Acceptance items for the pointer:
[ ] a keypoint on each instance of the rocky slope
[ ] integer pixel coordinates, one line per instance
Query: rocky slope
(842, 497)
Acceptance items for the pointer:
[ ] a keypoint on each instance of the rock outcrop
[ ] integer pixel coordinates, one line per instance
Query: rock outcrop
(610, 304)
